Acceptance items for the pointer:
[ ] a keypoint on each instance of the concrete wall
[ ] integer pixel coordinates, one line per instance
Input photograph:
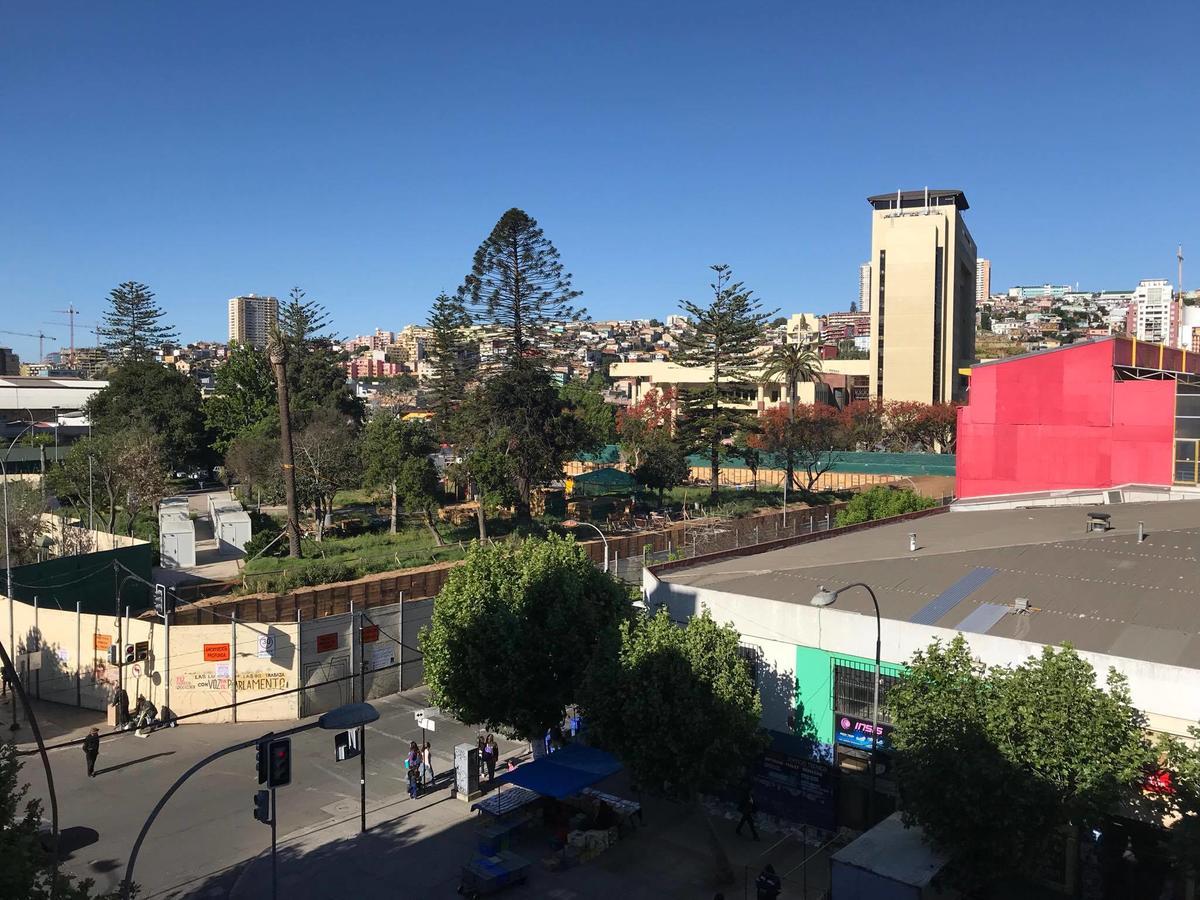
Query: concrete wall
(1168, 695)
(261, 666)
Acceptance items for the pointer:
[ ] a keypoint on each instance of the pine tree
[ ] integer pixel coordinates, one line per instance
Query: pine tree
(518, 284)
(722, 339)
(302, 321)
(132, 327)
(451, 356)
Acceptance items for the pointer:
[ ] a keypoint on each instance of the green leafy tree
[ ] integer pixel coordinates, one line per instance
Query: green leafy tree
(252, 459)
(29, 872)
(245, 395)
(316, 377)
(162, 400)
(113, 472)
(721, 340)
(680, 708)
(418, 490)
(132, 326)
(1036, 746)
(452, 358)
(1181, 758)
(327, 461)
(20, 540)
(518, 284)
(514, 631)
(596, 417)
(521, 415)
(389, 445)
(664, 465)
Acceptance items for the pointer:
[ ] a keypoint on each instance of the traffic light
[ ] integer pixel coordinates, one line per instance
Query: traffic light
(114, 655)
(262, 806)
(261, 755)
(130, 654)
(280, 765)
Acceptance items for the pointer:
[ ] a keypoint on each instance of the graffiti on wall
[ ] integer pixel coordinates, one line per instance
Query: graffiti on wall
(214, 680)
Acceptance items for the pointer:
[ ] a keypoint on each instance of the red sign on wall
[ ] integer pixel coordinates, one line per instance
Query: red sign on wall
(216, 652)
(327, 642)
(370, 634)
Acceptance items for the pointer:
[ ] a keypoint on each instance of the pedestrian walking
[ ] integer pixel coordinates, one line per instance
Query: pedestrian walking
(91, 749)
(768, 885)
(480, 744)
(491, 752)
(427, 764)
(412, 769)
(746, 808)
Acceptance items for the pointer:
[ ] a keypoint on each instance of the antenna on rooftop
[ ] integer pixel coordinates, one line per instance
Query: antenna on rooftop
(1179, 256)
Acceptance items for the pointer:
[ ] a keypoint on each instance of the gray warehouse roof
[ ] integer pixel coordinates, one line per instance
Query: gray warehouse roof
(1101, 592)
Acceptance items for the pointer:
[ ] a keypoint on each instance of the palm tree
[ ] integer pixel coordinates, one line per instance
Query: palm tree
(792, 363)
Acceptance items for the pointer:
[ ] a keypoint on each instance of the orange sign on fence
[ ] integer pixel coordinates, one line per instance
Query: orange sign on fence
(216, 652)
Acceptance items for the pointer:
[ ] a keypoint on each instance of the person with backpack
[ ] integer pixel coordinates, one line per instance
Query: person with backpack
(768, 885)
(412, 769)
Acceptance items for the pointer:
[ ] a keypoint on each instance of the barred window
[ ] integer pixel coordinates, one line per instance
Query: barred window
(854, 688)
(752, 656)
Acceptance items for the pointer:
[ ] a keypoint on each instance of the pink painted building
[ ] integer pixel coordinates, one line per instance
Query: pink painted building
(1091, 415)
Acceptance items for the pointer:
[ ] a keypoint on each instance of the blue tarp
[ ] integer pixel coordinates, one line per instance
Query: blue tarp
(565, 772)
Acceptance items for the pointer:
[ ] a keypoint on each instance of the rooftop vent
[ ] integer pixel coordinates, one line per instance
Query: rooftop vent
(1021, 605)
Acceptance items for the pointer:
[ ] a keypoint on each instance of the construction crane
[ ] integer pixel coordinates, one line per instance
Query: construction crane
(70, 312)
(42, 338)
(1179, 256)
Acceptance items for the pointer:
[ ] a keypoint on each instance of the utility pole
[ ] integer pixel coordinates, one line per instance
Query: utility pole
(277, 351)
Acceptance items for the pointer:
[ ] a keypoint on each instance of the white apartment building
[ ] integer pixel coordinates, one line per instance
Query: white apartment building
(1153, 314)
(251, 319)
(864, 287)
(983, 280)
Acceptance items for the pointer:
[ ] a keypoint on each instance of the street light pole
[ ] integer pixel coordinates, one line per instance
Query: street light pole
(575, 523)
(825, 597)
(8, 588)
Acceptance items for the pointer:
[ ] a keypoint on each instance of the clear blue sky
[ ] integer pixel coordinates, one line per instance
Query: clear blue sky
(364, 150)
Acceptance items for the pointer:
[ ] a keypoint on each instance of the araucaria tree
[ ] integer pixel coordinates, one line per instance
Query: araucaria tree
(991, 761)
(721, 339)
(451, 356)
(133, 326)
(515, 630)
(518, 284)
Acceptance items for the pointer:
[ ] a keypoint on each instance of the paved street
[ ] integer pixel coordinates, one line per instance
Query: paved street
(208, 826)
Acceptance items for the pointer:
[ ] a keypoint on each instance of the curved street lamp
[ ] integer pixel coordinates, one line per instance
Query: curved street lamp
(575, 523)
(825, 597)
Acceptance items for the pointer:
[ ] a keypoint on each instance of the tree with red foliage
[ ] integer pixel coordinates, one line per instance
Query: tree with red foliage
(644, 422)
(911, 425)
(807, 441)
(861, 425)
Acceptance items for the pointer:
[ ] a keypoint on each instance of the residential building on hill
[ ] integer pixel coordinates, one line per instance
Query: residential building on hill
(251, 319)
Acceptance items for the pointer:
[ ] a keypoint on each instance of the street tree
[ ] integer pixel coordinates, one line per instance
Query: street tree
(514, 631)
(679, 707)
(327, 461)
(721, 341)
(451, 355)
(20, 540)
(1038, 746)
(517, 284)
(244, 395)
(162, 400)
(29, 871)
(132, 326)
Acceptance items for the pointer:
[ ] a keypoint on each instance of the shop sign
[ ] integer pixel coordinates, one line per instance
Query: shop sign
(855, 732)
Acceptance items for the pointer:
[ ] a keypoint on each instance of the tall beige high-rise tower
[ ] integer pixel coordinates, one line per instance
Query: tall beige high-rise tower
(923, 296)
(983, 279)
(251, 319)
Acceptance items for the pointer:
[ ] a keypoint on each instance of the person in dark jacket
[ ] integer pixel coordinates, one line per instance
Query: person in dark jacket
(91, 749)
(746, 808)
(768, 885)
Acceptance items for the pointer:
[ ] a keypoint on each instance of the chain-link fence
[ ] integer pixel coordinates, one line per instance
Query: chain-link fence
(717, 535)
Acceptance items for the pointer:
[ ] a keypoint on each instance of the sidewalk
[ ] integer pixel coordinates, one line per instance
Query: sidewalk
(58, 722)
(418, 847)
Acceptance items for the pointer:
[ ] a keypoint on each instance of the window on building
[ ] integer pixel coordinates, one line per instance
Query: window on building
(879, 337)
(854, 688)
(752, 656)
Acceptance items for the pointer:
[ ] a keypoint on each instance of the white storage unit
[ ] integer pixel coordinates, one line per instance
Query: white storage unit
(176, 541)
(231, 526)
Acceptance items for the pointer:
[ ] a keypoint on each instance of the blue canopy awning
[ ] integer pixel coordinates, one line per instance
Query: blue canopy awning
(565, 772)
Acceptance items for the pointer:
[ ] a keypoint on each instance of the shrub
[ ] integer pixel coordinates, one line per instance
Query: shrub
(881, 502)
(264, 530)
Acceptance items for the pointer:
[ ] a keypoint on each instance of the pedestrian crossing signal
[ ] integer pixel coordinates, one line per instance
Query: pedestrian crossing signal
(130, 654)
(262, 755)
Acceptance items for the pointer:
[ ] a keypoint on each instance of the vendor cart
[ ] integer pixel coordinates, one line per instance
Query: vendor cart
(489, 874)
